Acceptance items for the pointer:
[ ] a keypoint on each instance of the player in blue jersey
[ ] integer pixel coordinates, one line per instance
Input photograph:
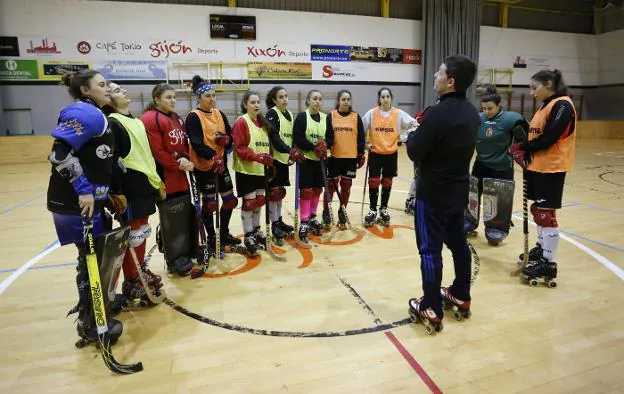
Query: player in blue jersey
(82, 162)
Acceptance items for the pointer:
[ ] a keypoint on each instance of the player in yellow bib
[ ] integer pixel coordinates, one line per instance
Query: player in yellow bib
(282, 122)
(547, 155)
(137, 182)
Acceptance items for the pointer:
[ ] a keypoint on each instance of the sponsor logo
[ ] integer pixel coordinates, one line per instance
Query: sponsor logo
(330, 72)
(103, 151)
(44, 48)
(165, 49)
(11, 65)
(83, 47)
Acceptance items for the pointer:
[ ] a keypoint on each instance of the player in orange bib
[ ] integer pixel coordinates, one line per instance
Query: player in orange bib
(547, 155)
(385, 125)
(346, 139)
(209, 133)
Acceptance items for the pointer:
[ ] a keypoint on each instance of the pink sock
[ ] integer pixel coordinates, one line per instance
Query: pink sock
(304, 205)
(314, 204)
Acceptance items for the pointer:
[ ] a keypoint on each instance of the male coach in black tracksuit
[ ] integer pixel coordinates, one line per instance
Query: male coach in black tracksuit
(442, 147)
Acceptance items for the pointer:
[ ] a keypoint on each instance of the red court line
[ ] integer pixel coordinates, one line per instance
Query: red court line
(413, 363)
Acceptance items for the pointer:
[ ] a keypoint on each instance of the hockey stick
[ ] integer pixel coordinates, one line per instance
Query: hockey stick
(344, 210)
(99, 308)
(298, 239)
(218, 228)
(525, 227)
(334, 228)
(203, 244)
(364, 193)
(476, 263)
(267, 217)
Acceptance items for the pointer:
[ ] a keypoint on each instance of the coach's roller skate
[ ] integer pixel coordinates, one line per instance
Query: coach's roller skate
(277, 234)
(371, 218)
(535, 254)
(410, 206)
(543, 270)
(461, 309)
(384, 217)
(315, 227)
(288, 230)
(427, 317)
(342, 219)
(251, 245)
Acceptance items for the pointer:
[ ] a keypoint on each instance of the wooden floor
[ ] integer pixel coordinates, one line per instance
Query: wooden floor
(332, 320)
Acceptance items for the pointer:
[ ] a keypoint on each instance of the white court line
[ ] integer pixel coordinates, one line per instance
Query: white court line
(600, 258)
(7, 282)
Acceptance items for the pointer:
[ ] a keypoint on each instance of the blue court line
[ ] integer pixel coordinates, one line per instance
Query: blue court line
(593, 241)
(21, 204)
(40, 267)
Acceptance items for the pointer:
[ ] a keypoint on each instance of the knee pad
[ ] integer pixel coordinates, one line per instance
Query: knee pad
(136, 237)
(229, 201)
(545, 217)
(317, 191)
(307, 193)
(374, 183)
(345, 183)
(386, 182)
(147, 230)
(249, 204)
(277, 194)
(533, 209)
(260, 200)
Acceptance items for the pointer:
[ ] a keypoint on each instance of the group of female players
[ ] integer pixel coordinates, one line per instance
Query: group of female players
(103, 156)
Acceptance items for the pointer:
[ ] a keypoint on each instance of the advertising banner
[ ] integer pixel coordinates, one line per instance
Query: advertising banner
(9, 46)
(330, 53)
(272, 52)
(132, 69)
(365, 72)
(268, 70)
(12, 69)
(55, 69)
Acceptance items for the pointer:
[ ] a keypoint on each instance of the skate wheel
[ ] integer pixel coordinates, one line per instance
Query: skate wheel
(429, 330)
(81, 343)
(458, 316)
(533, 282)
(552, 284)
(439, 327)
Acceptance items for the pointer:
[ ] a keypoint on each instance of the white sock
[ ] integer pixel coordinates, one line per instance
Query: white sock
(274, 208)
(255, 219)
(550, 242)
(247, 221)
(540, 236)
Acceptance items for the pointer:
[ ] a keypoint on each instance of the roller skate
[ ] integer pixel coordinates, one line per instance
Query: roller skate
(134, 292)
(251, 245)
(469, 229)
(384, 217)
(181, 266)
(535, 254)
(260, 238)
(342, 219)
(495, 236)
(428, 318)
(326, 220)
(288, 230)
(543, 270)
(153, 280)
(410, 206)
(461, 309)
(89, 335)
(371, 218)
(277, 234)
(231, 244)
(315, 226)
(303, 232)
